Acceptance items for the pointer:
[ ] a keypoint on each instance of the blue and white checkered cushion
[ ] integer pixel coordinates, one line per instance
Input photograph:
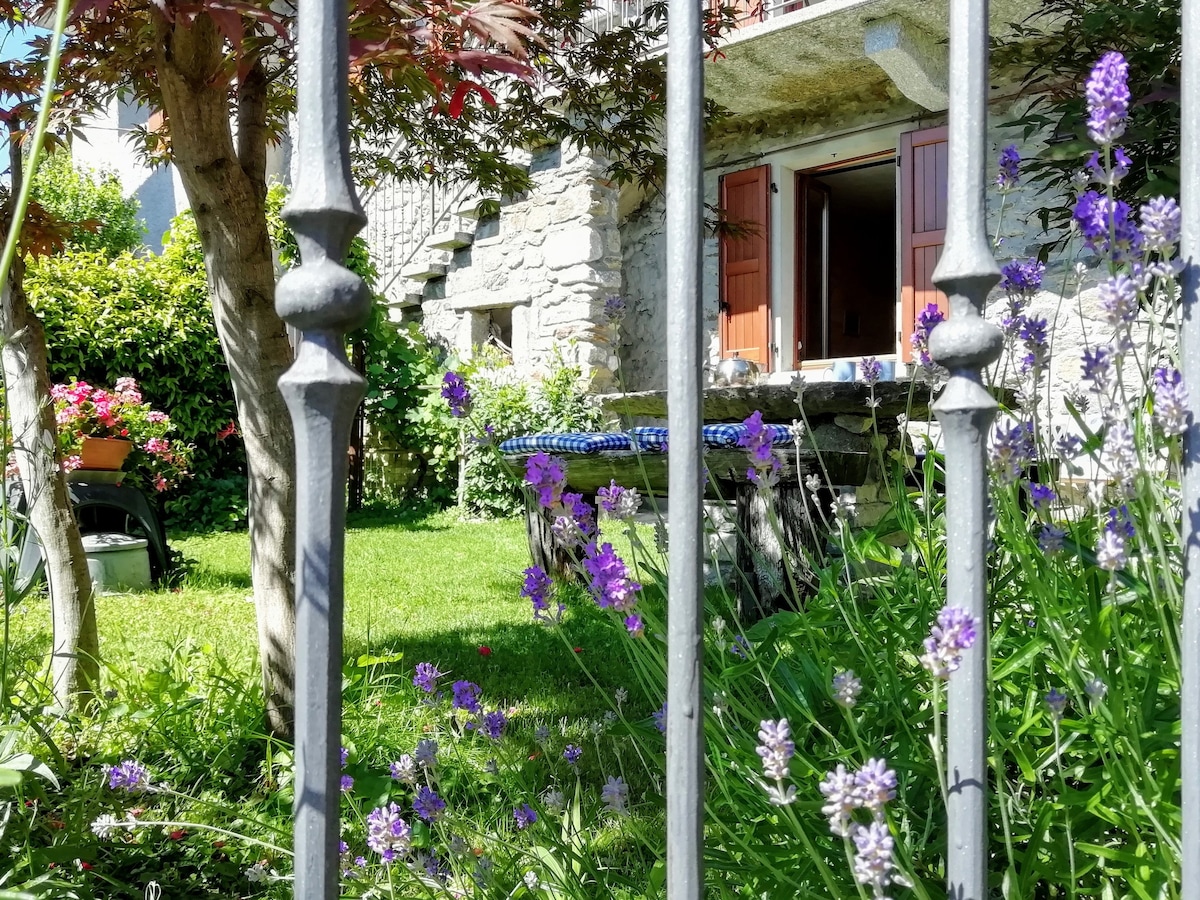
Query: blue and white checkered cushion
(722, 435)
(583, 442)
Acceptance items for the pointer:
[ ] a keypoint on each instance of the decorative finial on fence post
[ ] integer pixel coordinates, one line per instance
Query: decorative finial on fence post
(323, 300)
(965, 344)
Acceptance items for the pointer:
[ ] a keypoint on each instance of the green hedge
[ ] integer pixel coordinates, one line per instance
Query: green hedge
(149, 317)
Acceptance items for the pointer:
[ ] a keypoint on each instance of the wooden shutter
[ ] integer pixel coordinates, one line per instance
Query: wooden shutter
(745, 284)
(924, 169)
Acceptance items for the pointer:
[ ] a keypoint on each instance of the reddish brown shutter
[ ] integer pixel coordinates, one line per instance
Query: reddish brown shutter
(923, 174)
(745, 286)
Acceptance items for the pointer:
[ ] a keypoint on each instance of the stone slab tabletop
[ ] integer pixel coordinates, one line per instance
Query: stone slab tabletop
(777, 402)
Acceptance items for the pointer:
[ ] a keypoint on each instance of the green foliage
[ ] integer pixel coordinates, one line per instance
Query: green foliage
(95, 198)
(189, 709)
(1057, 50)
(508, 405)
(149, 318)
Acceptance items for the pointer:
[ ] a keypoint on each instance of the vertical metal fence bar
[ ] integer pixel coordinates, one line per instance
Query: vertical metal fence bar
(685, 600)
(1189, 250)
(323, 300)
(964, 344)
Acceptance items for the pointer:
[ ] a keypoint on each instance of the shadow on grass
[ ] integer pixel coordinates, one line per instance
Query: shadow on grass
(541, 668)
(416, 518)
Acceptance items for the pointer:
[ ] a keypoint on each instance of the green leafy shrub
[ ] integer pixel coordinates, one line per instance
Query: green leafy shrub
(506, 404)
(107, 219)
(148, 318)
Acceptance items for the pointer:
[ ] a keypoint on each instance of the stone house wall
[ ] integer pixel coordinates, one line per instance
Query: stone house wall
(537, 275)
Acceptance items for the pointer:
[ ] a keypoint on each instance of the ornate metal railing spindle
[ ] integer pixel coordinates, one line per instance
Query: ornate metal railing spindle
(685, 599)
(323, 300)
(1189, 251)
(964, 344)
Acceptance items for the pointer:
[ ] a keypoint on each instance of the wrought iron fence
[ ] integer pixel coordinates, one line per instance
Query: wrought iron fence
(323, 300)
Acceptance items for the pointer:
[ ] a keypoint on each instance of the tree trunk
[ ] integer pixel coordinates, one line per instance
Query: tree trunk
(226, 187)
(75, 652)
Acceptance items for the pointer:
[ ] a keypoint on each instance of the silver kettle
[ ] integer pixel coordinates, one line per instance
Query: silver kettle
(734, 371)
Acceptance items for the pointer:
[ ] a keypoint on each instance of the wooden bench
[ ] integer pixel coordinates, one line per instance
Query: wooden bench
(839, 446)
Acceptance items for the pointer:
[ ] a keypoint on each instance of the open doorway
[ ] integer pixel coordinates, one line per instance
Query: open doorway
(846, 273)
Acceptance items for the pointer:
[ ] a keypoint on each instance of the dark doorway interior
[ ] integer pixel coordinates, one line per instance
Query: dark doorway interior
(846, 261)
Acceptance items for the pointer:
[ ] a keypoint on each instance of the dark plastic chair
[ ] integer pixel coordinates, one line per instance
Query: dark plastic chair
(98, 508)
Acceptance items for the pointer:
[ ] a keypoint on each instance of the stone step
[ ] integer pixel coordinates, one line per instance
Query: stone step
(424, 270)
(450, 239)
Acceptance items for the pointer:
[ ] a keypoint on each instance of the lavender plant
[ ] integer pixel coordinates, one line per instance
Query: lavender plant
(1084, 581)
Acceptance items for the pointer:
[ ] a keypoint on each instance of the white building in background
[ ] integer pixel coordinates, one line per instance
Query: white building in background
(109, 143)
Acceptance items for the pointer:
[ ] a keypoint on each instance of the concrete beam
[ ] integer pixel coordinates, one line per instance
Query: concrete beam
(914, 59)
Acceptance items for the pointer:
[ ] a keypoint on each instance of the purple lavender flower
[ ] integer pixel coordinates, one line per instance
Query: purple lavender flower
(615, 794)
(1107, 95)
(1011, 450)
(425, 677)
(578, 525)
(776, 748)
(426, 752)
(493, 724)
(927, 318)
(571, 754)
(129, 776)
(660, 718)
(876, 785)
(871, 369)
(547, 475)
(619, 502)
(1120, 168)
(1106, 226)
(537, 589)
(841, 799)
(1098, 368)
(1119, 521)
(634, 625)
(610, 585)
(1056, 703)
(1118, 300)
(1170, 401)
(1032, 333)
(614, 309)
(1161, 222)
(404, 769)
(466, 696)
(347, 784)
(456, 393)
(1041, 495)
(956, 631)
(1050, 540)
(525, 816)
(873, 862)
(846, 688)
(1110, 545)
(1120, 454)
(1022, 276)
(740, 647)
(427, 804)
(756, 440)
(1008, 174)
(387, 833)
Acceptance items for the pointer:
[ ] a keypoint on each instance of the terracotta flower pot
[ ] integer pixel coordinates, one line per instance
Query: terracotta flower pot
(106, 454)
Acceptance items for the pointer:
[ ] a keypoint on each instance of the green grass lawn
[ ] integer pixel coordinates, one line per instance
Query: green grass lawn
(433, 588)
